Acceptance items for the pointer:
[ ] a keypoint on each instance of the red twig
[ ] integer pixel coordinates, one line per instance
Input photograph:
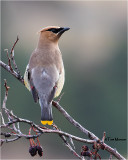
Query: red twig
(36, 134)
(6, 87)
(30, 140)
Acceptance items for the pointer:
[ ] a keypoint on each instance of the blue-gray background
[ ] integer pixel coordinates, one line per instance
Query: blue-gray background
(94, 53)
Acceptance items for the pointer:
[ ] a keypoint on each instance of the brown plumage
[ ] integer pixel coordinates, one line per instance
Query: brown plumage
(46, 71)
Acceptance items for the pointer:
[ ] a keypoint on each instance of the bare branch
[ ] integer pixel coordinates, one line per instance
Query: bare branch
(60, 97)
(12, 56)
(67, 144)
(9, 140)
(15, 119)
(70, 148)
(104, 135)
(9, 60)
(48, 130)
(71, 141)
(88, 133)
(73, 122)
(15, 74)
(17, 39)
(2, 118)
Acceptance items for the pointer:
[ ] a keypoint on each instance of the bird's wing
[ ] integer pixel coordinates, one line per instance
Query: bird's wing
(33, 91)
(60, 83)
(26, 81)
(52, 95)
(29, 84)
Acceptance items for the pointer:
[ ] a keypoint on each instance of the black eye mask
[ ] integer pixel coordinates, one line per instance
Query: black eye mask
(55, 30)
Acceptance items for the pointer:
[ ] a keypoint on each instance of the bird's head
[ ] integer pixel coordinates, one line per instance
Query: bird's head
(52, 33)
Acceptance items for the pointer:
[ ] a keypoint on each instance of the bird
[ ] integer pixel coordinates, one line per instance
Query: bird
(44, 76)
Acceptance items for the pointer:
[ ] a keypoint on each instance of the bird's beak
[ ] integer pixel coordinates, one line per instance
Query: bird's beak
(63, 30)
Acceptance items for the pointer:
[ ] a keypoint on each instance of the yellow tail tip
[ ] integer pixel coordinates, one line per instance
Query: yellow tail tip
(47, 122)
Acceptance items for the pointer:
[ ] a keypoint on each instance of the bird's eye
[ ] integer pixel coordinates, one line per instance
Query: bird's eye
(55, 30)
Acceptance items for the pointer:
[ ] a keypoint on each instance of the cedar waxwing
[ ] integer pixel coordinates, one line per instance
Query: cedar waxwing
(44, 75)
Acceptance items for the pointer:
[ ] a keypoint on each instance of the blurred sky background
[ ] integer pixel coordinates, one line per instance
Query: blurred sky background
(95, 57)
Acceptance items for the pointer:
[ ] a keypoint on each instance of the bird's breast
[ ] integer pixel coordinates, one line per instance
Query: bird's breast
(43, 57)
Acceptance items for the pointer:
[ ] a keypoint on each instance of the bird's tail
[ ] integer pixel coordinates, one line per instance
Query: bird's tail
(46, 113)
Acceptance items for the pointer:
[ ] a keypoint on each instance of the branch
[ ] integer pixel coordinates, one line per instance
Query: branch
(84, 130)
(9, 140)
(17, 119)
(12, 57)
(72, 121)
(70, 148)
(39, 130)
(14, 119)
(14, 73)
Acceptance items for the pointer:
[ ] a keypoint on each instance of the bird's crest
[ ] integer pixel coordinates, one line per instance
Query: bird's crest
(46, 28)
